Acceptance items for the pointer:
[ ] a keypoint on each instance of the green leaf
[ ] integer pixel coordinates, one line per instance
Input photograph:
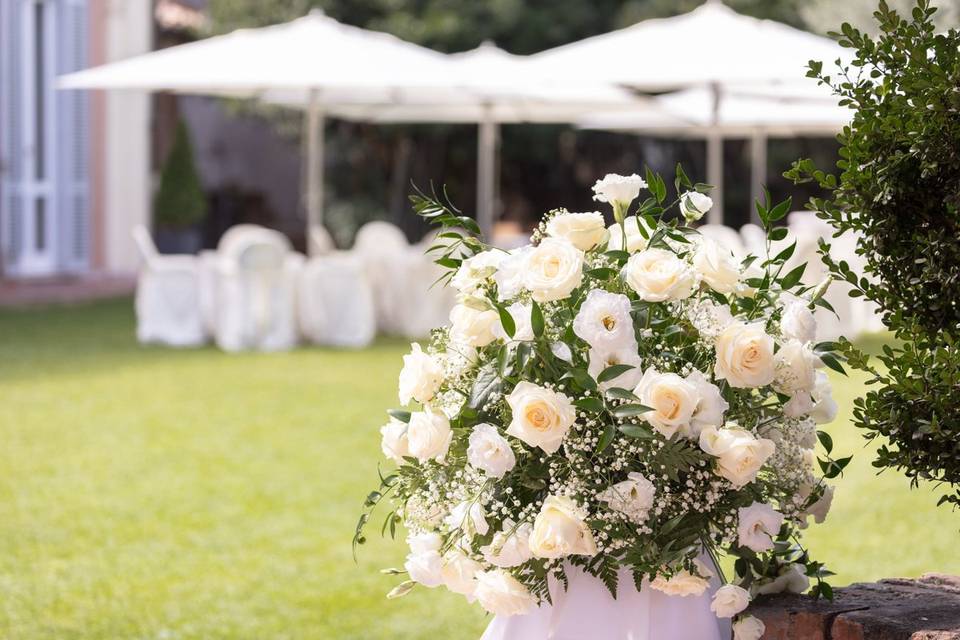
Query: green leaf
(601, 273)
(606, 437)
(582, 378)
(589, 403)
(399, 414)
(613, 371)
(831, 361)
(791, 279)
(825, 440)
(777, 234)
(536, 319)
(780, 210)
(636, 431)
(486, 383)
(630, 410)
(622, 394)
(509, 326)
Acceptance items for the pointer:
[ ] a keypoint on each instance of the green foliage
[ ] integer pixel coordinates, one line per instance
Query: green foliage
(180, 201)
(899, 187)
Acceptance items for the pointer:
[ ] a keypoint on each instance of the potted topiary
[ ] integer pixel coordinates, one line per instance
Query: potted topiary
(180, 204)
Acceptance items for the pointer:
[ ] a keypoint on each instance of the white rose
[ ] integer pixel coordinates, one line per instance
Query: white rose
(799, 404)
(684, 583)
(633, 497)
(469, 518)
(490, 451)
(428, 435)
(618, 190)
(553, 269)
(757, 525)
(671, 398)
(729, 600)
(420, 376)
(716, 266)
(501, 594)
(424, 541)
(424, 562)
(541, 417)
(476, 270)
(792, 579)
(509, 276)
(582, 230)
(657, 275)
(748, 628)
(510, 546)
(471, 326)
(559, 530)
(458, 572)
(394, 442)
(694, 204)
(710, 409)
(601, 359)
(797, 321)
(636, 239)
(745, 356)
(604, 320)
(522, 321)
(739, 454)
(824, 407)
(795, 368)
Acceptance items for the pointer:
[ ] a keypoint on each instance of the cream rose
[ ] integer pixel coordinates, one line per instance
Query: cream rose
(748, 628)
(710, 408)
(509, 275)
(672, 399)
(541, 417)
(420, 376)
(582, 230)
(792, 579)
(797, 321)
(740, 455)
(745, 356)
(471, 326)
(757, 525)
(729, 600)
(657, 275)
(510, 546)
(795, 368)
(601, 359)
(394, 441)
(553, 269)
(424, 562)
(684, 583)
(636, 239)
(693, 205)
(633, 497)
(501, 594)
(716, 266)
(604, 320)
(559, 530)
(489, 451)
(428, 435)
(458, 572)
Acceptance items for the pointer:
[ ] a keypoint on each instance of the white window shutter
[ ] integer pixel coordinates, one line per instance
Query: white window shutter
(11, 166)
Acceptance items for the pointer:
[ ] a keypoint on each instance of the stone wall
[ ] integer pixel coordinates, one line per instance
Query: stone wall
(927, 608)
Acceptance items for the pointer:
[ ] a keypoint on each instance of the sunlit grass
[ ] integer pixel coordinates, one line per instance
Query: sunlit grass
(152, 493)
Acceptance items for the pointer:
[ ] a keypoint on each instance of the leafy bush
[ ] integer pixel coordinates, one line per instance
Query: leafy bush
(180, 201)
(899, 187)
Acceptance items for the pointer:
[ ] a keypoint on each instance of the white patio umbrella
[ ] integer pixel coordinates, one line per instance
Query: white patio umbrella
(712, 47)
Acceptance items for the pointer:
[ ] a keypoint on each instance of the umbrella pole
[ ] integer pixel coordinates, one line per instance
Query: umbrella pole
(758, 170)
(488, 135)
(715, 160)
(315, 159)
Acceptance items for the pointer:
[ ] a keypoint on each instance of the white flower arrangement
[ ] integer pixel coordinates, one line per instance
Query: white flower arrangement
(646, 407)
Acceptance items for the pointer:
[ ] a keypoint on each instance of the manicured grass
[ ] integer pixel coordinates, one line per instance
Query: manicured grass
(153, 493)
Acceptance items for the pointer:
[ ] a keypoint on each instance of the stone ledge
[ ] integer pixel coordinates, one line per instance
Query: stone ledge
(927, 608)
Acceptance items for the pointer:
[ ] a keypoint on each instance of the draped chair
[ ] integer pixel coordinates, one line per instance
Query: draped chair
(335, 301)
(381, 246)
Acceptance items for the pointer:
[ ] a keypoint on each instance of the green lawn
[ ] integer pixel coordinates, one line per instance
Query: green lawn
(159, 494)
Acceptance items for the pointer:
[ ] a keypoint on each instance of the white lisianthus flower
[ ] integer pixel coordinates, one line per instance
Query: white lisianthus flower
(394, 441)
(476, 270)
(693, 205)
(582, 230)
(824, 407)
(745, 356)
(523, 324)
(604, 320)
(672, 399)
(748, 628)
(795, 366)
(501, 594)
(472, 326)
(420, 376)
(792, 579)
(490, 451)
(559, 530)
(552, 270)
(821, 507)
(428, 435)
(424, 562)
(541, 417)
(684, 583)
(729, 600)
(740, 454)
(601, 359)
(618, 191)
(459, 572)
(636, 239)
(509, 275)
(633, 497)
(710, 409)
(657, 275)
(797, 321)
(716, 266)
(510, 546)
(757, 525)
(469, 518)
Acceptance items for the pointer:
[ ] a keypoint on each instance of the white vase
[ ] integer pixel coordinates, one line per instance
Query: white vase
(587, 611)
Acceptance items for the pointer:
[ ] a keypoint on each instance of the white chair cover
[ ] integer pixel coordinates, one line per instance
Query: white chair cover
(726, 237)
(321, 242)
(207, 265)
(754, 239)
(425, 305)
(335, 302)
(381, 246)
(167, 298)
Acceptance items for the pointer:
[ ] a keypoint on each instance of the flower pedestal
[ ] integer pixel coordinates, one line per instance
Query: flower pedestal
(587, 611)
